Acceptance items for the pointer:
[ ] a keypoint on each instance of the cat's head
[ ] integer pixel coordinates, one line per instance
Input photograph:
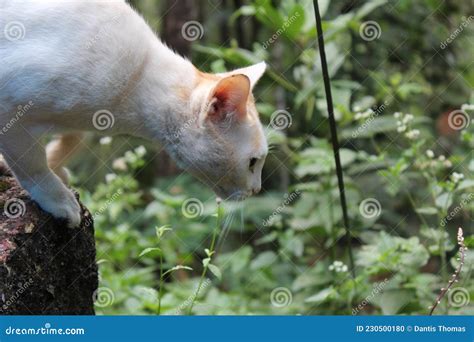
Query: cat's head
(227, 147)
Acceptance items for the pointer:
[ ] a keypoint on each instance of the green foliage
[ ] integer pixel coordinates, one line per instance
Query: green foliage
(284, 252)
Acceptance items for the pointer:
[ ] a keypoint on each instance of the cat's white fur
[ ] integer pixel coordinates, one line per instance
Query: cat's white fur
(73, 59)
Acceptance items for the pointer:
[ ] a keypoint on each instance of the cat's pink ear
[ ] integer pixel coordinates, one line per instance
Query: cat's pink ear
(229, 97)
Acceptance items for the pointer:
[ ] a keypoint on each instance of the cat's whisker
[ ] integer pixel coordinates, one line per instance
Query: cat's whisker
(241, 221)
(226, 226)
(237, 195)
(272, 150)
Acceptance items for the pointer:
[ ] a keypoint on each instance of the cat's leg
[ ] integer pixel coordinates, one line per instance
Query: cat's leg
(26, 157)
(60, 150)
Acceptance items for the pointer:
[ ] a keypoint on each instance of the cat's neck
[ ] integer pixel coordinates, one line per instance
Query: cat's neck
(161, 102)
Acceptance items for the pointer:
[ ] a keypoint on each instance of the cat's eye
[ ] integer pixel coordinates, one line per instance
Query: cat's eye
(252, 163)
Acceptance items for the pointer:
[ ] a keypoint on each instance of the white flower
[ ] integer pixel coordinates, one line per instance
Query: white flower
(441, 158)
(447, 164)
(467, 106)
(456, 177)
(140, 150)
(429, 153)
(413, 134)
(358, 116)
(105, 140)
(110, 177)
(338, 266)
(401, 129)
(397, 115)
(367, 114)
(407, 118)
(119, 164)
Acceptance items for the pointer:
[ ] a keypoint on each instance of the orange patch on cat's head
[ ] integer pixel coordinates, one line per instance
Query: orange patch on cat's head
(183, 92)
(202, 77)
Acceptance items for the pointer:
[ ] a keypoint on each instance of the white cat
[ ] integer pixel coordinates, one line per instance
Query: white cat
(70, 66)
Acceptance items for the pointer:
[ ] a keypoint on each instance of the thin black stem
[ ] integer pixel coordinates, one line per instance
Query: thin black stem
(334, 139)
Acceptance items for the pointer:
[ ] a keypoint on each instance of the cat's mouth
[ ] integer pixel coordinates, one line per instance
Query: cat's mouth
(238, 195)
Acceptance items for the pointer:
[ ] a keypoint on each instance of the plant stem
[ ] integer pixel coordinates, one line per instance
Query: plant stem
(160, 290)
(457, 272)
(412, 202)
(331, 221)
(442, 250)
(211, 250)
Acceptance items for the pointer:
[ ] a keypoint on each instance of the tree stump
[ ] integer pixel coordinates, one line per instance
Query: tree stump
(45, 267)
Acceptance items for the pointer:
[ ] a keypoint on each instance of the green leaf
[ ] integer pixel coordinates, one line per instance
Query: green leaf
(375, 125)
(149, 250)
(427, 211)
(208, 252)
(444, 200)
(369, 7)
(215, 270)
(392, 301)
(242, 11)
(160, 231)
(294, 22)
(179, 267)
(264, 259)
(465, 184)
(347, 156)
(320, 297)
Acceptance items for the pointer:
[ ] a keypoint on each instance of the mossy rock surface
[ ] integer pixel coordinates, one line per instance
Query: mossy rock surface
(45, 267)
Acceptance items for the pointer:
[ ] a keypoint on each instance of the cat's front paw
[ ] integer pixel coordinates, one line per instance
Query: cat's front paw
(69, 210)
(62, 205)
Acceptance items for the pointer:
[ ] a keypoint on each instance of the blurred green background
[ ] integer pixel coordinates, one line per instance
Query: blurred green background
(402, 81)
